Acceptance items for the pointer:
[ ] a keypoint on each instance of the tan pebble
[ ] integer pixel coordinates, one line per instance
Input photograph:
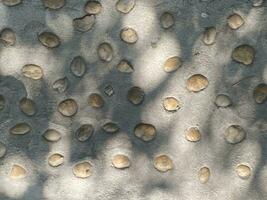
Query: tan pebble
(120, 161)
(20, 129)
(52, 135)
(235, 21)
(145, 132)
(234, 134)
(167, 20)
(171, 104)
(49, 39)
(54, 4)
(8, 37)
(60, 85)
(27, 106)
(209, 35)
(68, 107)
(163, 163)
(18, 172)
(2, 150)
(197, 83)
(84, 132)
(172, 64)
(244, 54)
(125, 6)
(110, 127)
(129, 35)
(82, 170)
(2, 102)
(223, 100)
(136, 95)
(193, 134)
(55, 160)
(32, 71)
(78, 66)
(204, 175)
(93, 7)
(95, 100)
(85, 23)
(125, 66)
(11, 2)
(243, 171)
(105, 52)
(260, 93)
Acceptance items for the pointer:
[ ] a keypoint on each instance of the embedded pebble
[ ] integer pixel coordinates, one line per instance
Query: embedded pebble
(95, 100)
(193, 134)
(129, 35)
(172, 64)
(234, 134)
(2, 102)
(209, 35)
(204, 175)
(27, 106)
(32, 71)
(93, 7)
(110, 127)
(243, 171)
(260, 93)
(145, 132)
(197, 83)
(82, 170)
(55, 160)
(125, 6)
(171, 104)
(163, 163)
(78, 66)
(85, 23)
(84, 132)
(105, 52)
(223, 100)
(60, 85)
(120, 161)
(244, 54)
(20, 129)
(257, 3)
(11, 2)
(2, 150)
(136, 95)
(109, 90)
(8, 37)
(18, 172)
(167, 20)
(125, 66)
(52, 135)
(235, 21)
(49, 39)
(54, 4)
(68, 107)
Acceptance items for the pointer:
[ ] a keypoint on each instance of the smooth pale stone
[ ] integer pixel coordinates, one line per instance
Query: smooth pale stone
(32, 71)
(110, 127)
(18, 172)
(145, 132)
(125, 66)
(260, 93)
(54, 4)
(52, 135)
(166, 20)
(95, 100)
(78, 66)
(197, 83)
(193, 134)
(55, 160)
(257, 3)
(85, 23)
(204, 175)
(60, 85)
(82, 170)
(27, 106)
(49, 39)
(243, 171)
(68, 107)
(2, 150)
(171, 104)
(93, 7)
(234, 134)
(235, 21)
(2, 102)
(172, 64)
(244, 54)
(109, 90)
(163, 163)
(223, 100)
(125, 6)
(105, 52)
(20, 129)
(8, 37)
(84, 132)
(129, 35)
(11, 2)
(209, 35)
(121, 161)
(136, 95)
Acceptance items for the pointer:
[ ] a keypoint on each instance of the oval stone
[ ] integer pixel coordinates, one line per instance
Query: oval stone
(172, 64)
(125, 6)
(84, 132)
(243, 171)
(82, 170)
(93, 7)
(111, 127)
(20, 129)
(209, 35)
(204, 175)
(32, 71)
(120, 161)
(166, 20)
(223, 101)
(197, 83)
(163, 163)
(171, 104)
(49, 39)
(193, 134)
(125, 66)
(11, 2)
(52, 135)
(55, 160)
(60, 85)
(136, 95)
(105, 52)
(244, 54)
(68, 107)
(85, 23)
(2, 150)
(18, 172)
(2, 102)
(234, 134)
(260, 93)
(235, 21)
(129, 35)
(95, 100)
(54, 4)
(8, 37)
(145, 132)
(27, 106)
(78, 66)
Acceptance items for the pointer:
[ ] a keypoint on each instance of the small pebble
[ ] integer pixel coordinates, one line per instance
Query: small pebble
(209, 35)
(32, 71)
(84, 132)
(18, 172)
(20, 129)
(125, 6)
(234, 134)
(60, 85)
(244, 54)
(125, 66)
(109, 90)
(78, 66)
(120, 161)
(8, 37)
(68, 107)
(2, 150)
(85, 23)
(54, 4)
(257, 3)
(129, 35)
(52, 135)
(171, 104)
(235, 21)
(163, 163)
(243, 171)
(27, 106)
(49, 39)
(145, 132)
(197, 83)
(56, 160)
(136, 95)
(105, 52)
(223, 101)
(172, 64)
(93, 7)
(82, 170)
(11, 2)
(166, 20)
(111, 127)
(204, 175)
(260, 93)
(193, 134)
(95, 100)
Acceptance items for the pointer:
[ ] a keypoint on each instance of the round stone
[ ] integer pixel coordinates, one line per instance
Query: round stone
(235, 21)
(244, 54)
(82, 170)
(234, 134)
(32, 71)
(136, 95)
(171, 104)
(55, 160)
(54, 4)
(2, 102)
(145, 132)
(68, 107)
(105, 52)
(11, 2)
(243, 171)
(129, 35)
(49, 39)
(172, 64)
(20, 129)
(204, 175)
(110, 127)
(197, 83)
(260, 93)
(166, 20)
(27, 106)
(193, 134)
(60, 85)
(125, 66)
(209, 35)
(52, 135)
(78, 66)
(18, 172)
(8, 37)
(125, 6)
(120, 161)
(2, 150)
(223, 100)
(85, 23)
(93, 7)
(163, 163)
(84, 132)
(95, 100)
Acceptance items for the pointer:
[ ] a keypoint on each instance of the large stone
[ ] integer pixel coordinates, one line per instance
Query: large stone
(120, 161)
(209, 35)
(129, 35)
(244, 54)
(8, 37)
(78, 66)
(2, 150)
(111, 127)
(61, 85)
(52, 135)
(18, 172)
(243, 171)
(260, 93)
(145, 132)
(2, 102)
(32, 71)
(85, 23)
(234, 134)
(54, 4)
(20, 129)
(84, 132)
(82, 170)
(55, 160)
(11, 2)
(167, 20)
(95, 100)
(223, 101)
(105, 52)
(197, 83)
(172, 64)
(49, 39)
(204, 175)
(136, 95)
(27, 106)
(125, 6)
(193, 134)
(125, 66)
(171, 104)
(235, 21)
(163, 163)
(93, 7)
(68, 107)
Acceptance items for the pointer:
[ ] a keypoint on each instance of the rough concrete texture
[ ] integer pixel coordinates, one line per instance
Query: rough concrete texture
(140, 181)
